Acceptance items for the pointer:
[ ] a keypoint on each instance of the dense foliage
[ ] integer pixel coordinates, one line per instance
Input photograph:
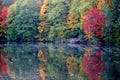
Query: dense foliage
(59, 20)
(23, 21)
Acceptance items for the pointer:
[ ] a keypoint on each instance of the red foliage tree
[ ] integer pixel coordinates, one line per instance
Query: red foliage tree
(3, 15)
(94, 22)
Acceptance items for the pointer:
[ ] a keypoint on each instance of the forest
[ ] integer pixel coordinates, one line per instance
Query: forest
(77, 21)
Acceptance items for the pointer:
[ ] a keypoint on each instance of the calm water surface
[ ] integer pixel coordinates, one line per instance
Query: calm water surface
(38, 61)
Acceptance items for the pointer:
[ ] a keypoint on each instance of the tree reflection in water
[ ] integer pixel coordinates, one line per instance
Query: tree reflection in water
(31, 61)
(4, 68)
(3, 64)
(42, 69)
(71, 64)
(93, 64)
(52, 64)
(22, 61)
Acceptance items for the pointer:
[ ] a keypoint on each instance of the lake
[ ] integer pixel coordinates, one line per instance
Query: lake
(48, 61)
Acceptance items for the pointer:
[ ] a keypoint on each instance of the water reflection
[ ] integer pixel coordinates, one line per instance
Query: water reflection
(42, 69)
(93, 64)
(4, 68)
(32, 61)
(3, 64)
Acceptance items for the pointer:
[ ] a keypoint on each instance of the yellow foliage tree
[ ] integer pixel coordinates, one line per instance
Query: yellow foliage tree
(72, 18)
(71, 21)
(43, 25)
(100, 4)
(103, 3)
(44, 8)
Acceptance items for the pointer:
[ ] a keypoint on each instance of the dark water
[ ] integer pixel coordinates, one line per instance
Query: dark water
(38, 61)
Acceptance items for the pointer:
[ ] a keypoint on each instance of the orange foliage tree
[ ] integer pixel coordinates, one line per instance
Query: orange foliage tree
(44, 8)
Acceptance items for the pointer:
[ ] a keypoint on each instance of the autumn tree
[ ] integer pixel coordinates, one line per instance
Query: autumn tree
(94, 22)
(3, 16)
(3, 26)
(43, 27)
(57, 18)
(73, 17)
(78, 10)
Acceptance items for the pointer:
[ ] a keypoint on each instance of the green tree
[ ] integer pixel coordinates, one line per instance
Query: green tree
(58, 18)
(23, 20)
(111, 31)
